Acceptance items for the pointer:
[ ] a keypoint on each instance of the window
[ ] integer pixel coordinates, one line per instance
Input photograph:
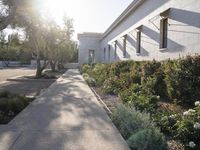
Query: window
(109, 52)
(138, 44)
(124, 45)
(163, 33)
(91, 57)
(104, 54)
(115, 50)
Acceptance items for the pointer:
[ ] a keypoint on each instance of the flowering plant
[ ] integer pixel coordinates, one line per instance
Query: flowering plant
(188, 127)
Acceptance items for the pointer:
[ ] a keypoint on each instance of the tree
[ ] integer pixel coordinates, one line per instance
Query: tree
(46, 40)
(59, 43)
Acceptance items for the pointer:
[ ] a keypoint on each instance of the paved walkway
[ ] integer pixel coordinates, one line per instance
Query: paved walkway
(65, 117)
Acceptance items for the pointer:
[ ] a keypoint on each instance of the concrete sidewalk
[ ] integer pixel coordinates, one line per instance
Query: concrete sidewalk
(65, 117)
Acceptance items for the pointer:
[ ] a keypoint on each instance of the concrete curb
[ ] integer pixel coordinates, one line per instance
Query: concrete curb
(102, 102)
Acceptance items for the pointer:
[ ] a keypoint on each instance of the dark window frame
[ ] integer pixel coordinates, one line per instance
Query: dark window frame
(115, 50)
(124, 46)
(109, 50)
(138, 43)
(104, 52)
(163, 33)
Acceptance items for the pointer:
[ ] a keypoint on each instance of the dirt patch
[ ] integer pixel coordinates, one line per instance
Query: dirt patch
(111, 101)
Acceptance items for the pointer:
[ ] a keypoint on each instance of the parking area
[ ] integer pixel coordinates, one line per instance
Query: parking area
(27, 88)
(13, 72)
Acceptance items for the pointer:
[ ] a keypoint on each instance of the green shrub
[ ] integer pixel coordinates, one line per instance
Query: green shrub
(150, 67)
(153, 78)
(90, 81)
(141, 99)
(121, 67)
(111, 85)
(137, 129)
(85, 68)
(166, 120)
(181, 126)
(129, 120)
(11, 105)
(100, 73)
(188, 127)
(148, 139)
(182, 79)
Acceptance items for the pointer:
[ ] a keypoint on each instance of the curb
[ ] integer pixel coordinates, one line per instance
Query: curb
(99, 98)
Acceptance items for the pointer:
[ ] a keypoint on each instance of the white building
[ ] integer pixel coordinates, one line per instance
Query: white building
(146, 30)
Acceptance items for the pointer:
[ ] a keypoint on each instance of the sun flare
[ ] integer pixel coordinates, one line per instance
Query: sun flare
(56, 9)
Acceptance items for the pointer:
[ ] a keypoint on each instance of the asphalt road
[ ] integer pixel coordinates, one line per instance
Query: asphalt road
(13, 72)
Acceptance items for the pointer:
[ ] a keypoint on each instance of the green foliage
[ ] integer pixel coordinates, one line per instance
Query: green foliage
(86, 68)
(153, 78)
(90, 81)
(141, 84)
(141, 98)
(188, 127)
(148, 139)
(120, 67)
(100, 73)
(182, 126)
(175, 80)
(137, 129)
(11, 105)
(9, 54)
(129, 120)
(182, 78)
(150, 67)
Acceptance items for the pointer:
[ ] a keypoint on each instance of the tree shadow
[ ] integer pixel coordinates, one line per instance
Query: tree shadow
(66, 116)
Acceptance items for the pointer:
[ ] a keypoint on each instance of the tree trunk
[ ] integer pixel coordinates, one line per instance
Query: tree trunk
(39, 69)
(53, 66)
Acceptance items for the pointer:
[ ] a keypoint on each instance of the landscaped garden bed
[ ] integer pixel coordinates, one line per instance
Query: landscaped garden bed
(11, 105)
(160, 100)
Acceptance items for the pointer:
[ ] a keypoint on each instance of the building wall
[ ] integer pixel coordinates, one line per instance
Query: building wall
(183, 31)
(86, 43)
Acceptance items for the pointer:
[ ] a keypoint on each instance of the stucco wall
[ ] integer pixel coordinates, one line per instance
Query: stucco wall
(86, 43)
(183, 31)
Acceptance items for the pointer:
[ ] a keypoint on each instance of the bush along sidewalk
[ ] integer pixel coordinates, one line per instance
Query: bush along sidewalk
(138, 130)
(164, 89)
(11, 105)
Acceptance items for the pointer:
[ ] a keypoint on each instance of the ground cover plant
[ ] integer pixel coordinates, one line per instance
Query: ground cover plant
(11, 105)
(168, 91)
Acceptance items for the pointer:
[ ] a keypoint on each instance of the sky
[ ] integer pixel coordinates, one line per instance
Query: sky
(88, 15)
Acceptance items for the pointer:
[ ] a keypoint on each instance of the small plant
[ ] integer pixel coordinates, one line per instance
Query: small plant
(90, 81)
(188, 128)
(129, 120)
(148, 139)
(137, 129)
(11, 105)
